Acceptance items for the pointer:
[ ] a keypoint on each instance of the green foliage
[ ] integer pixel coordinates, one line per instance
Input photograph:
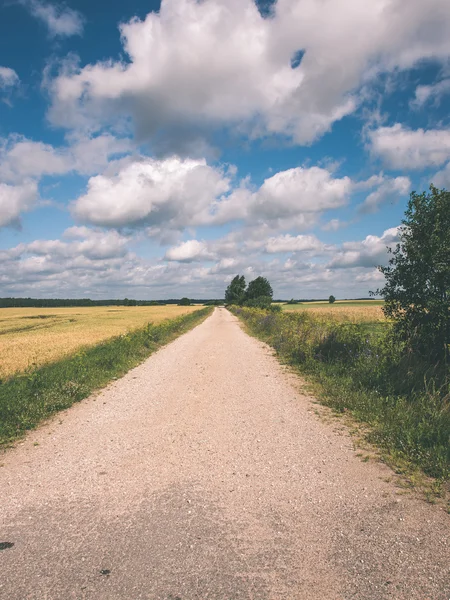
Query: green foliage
(27, 399)
(260, 302)
(259, 288)
(417, 290)
(275, 308)
(235, 292)
(184, 302)
(402, 396)
(331, 299)
(258, 294)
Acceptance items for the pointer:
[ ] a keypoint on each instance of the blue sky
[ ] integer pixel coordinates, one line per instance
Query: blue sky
(155, 150)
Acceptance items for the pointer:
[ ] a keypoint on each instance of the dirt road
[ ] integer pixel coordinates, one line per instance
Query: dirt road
(204, 474)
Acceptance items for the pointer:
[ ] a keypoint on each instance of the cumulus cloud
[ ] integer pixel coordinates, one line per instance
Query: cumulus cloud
(173, 192)
(196, 65)
(368, 253)
(289, 243)
(22, 158)
(292, 198)
(388, 190)
(87, 261)
(16, 199)
(224, 250)
(59, 19)
(403, 148)
(84, 259)
(189, 251)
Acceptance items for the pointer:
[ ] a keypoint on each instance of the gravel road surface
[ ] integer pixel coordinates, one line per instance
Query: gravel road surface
(205, 474)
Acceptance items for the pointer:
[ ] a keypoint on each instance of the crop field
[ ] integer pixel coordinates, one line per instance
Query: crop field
(31, 337)
(355, 311)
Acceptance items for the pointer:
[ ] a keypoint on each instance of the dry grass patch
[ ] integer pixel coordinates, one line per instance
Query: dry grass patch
(31, 337)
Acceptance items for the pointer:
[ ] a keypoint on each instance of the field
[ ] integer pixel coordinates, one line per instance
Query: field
(31, 337)
(354, 311)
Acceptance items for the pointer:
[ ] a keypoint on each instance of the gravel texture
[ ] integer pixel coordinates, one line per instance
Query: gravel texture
(205, 474)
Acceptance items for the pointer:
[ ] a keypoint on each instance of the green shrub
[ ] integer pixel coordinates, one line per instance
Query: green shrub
(259, 302)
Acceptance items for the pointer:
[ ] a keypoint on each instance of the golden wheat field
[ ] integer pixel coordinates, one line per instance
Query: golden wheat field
(353, 311)
(34, 336)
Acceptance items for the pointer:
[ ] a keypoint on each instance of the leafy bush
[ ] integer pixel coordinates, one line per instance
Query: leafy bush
(259, 302)
(417, 289)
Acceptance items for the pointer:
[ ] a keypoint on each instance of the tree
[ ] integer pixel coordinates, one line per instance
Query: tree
(184, 302)
(235, 292)
(417, 289)
(257, 288)
(331, 299)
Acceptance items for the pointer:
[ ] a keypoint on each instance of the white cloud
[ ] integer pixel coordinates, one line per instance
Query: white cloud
(189, 251)
(83, 258)
(333, 225)
(308, 190)
(60, 20)
(173, 192)
(441, 179)
(23, 158)
(291, 198)
(289, 243)
(368, 253)
(196, 65)
(90, 262)
(389, 189)
(8, 77)
(431, 93)
(403, 148)
(15, 199)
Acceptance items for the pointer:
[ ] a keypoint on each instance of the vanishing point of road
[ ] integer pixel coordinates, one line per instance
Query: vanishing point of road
(205, 474)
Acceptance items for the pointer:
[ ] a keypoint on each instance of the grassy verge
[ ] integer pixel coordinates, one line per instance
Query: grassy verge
(29, 398)
(359, 370)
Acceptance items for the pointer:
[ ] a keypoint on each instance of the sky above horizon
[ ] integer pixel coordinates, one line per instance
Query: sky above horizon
(156, 149)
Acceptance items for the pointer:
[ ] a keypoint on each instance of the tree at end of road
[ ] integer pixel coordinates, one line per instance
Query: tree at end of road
(235, 292)
(259, 287)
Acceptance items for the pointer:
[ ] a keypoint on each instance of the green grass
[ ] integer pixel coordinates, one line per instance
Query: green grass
(27, 399)
(358, 369)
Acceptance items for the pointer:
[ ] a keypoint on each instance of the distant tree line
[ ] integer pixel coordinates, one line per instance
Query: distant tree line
(60, 302)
